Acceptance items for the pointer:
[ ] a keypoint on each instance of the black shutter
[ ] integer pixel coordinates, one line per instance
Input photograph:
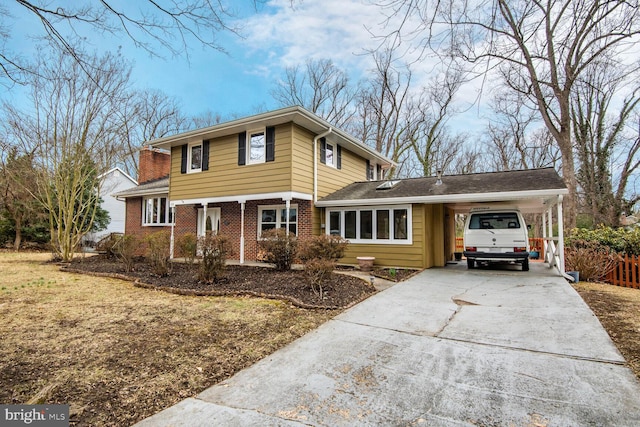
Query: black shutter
(378, 172)
(339, 162)
(368, 175)
(271, 144)
(242, 148)
(205, 155)
(323, 150)
(183, 161)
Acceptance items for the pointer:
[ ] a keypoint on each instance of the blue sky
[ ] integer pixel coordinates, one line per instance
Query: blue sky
(279, 33)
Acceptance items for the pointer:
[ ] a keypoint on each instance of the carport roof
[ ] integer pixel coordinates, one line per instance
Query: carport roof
(528, 190)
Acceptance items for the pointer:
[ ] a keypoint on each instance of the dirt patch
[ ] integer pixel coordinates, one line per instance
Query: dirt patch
(618, 310)
(117, 353)
(340, 290)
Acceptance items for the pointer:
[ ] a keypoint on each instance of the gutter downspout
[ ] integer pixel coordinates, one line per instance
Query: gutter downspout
(315, 163)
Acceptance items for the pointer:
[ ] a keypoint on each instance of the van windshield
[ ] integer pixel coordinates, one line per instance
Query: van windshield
(494, 220)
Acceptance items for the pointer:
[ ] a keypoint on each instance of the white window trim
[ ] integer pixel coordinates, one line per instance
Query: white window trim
(278, 222)
(334, 153)
(390, 241)
(189, 150)
(156, 198)
(263, 131)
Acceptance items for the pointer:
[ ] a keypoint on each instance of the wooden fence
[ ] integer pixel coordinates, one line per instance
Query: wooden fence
(626, 273)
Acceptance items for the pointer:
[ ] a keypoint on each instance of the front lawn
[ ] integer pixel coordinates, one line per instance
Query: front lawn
(117, 353)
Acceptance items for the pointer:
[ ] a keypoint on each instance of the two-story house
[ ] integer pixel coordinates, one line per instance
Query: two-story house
(291, 169)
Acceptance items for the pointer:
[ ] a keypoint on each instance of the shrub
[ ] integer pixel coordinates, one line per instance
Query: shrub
(323, 246)
(618, 239)
(592, 259)
(187, 246)
(215, 250)
(319, 255)
(279, 247)
(158, 252)
(124, 248)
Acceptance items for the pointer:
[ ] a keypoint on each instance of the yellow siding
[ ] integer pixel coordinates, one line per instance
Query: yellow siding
(226, 178)
(331, 179)
(302, 160)
(434, 255)
(410, 256)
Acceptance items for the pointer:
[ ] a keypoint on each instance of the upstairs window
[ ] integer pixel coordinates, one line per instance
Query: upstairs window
(195, 158)
(256, 146)
(330, 154)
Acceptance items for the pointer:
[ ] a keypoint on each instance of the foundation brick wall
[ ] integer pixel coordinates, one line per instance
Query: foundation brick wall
(230, 222)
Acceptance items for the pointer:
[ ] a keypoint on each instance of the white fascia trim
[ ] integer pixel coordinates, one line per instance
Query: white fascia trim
(284, 195)
(452, 198)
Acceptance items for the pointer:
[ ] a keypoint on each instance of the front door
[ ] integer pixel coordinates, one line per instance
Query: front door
(210, 223)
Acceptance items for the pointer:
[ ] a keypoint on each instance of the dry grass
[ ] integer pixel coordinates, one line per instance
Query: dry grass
(618, 309)
(117, 353)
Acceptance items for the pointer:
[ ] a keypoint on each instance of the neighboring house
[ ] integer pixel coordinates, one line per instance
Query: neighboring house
(291, 169)
(113, 181)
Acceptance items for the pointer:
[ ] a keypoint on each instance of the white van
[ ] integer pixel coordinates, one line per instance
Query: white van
(496, 235)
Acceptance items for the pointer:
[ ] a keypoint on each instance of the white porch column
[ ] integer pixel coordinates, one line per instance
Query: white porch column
(204, 219)
(173, 226)
(552, 260)
(242, 232)
(287, 209)
(560, 235)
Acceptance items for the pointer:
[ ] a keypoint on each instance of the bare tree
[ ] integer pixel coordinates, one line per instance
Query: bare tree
(514, 138)
(431, 141)
(147, 115)
(382, 107)
(154, 26)
(606, 149)
(540, 48)
(321, 88)
(72, 127)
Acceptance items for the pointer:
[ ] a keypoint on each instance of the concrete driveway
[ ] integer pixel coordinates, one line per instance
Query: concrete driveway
(449, 347)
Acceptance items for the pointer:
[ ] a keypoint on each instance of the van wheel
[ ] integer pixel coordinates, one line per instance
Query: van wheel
(470, 263)
(525, 265)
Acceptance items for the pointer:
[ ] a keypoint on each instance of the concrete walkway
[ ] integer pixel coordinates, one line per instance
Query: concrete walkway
(449, 347)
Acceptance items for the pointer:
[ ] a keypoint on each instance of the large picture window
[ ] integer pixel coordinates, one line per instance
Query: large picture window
(156, 211)
(385, 225)
(270, 217)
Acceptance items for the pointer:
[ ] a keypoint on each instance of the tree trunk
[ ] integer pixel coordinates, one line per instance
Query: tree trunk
(18, 240)
(570, 202)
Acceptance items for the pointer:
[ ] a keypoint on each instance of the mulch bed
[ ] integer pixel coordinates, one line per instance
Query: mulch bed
(341, 291)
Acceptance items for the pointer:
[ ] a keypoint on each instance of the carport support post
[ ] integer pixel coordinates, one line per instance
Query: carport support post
(545, 244)
(560, 236)
(552, 258)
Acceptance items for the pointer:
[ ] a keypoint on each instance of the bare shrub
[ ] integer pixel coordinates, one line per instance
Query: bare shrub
(215, 250)
(279, 247)
(158, 252)
(593, 260)
(124, 248)
(187, 246)
(319, 255)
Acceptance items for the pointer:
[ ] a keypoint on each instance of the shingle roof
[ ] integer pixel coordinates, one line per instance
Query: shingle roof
(452, 186)
(152, 187)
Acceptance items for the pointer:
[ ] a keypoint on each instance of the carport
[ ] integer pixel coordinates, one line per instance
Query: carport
(431, 204)
(538, 202)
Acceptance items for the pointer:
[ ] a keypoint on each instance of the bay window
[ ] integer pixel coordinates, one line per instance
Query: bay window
(383, 225)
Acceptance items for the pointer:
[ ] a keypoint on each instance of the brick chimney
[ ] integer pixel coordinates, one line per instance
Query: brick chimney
(154, 164)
